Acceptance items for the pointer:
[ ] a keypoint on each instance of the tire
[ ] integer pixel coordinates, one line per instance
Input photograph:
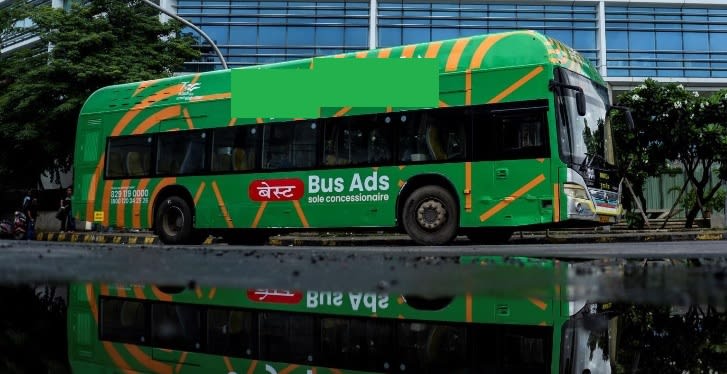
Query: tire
(490, 236)
(173, 223)
(430, 216)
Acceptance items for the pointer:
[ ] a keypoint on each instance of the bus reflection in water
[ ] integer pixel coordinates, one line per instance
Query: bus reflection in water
(223, 330)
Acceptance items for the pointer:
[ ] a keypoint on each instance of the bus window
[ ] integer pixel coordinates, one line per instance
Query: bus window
(123, 321)
(233, 148)
(181, 152)
(230, 332)
(431, 347)
(356, 141)
(287, 337)
(522, 135)
(290, 145)
(176, 326)
(129, 157)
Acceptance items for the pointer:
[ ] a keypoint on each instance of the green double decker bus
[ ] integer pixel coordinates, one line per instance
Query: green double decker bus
(127, 328)
(517, 136)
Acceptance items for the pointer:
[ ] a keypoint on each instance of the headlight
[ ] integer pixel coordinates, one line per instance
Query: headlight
(575, 191)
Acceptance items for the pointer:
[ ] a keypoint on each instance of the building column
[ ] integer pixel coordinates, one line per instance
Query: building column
(602, 38)
(169, 5)
(373, 23)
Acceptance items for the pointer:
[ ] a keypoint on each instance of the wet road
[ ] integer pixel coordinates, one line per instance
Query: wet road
(664, 272)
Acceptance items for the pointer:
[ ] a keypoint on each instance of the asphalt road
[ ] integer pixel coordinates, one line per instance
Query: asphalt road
(662, 272)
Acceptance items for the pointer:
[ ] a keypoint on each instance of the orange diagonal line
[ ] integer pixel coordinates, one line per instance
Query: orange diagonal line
(199, 193)
(134, 111)
(221, 204)
(219, 96)
(343, 111)
(539, 303)
(144, 359)
(150, 208)
(142, 86)
(251, 369)
(482, 50)
(433, 50)
(468, 307)
(468, 87)
(456, 54)
(442, 104)
(232, 122)
(136, 208)
(299, 210)
(515, 195)
(288, 369)
(385, 53)
(166, 113)
(259, 214)
(361, 54)
(211, 294)
(408, 51)
(556, 202)
(228, 364)
(468, 186)
(187, 118)
(160, 295)
(182, 358)
(516, 85)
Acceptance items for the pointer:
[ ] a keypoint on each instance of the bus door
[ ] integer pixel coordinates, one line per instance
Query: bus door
(521, 168)
(89, 149)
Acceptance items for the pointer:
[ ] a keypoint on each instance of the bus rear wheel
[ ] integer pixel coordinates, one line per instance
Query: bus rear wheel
(174, 221)
(430, 216)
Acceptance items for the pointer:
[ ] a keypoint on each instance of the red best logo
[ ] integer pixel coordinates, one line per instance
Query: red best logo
(274, 296)
(276, 189)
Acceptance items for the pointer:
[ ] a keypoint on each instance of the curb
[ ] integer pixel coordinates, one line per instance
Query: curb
(80, 237)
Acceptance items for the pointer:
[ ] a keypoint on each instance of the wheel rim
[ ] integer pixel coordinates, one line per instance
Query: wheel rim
(173, 221)
(431, 214)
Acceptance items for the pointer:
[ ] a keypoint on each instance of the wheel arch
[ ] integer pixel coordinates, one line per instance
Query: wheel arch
(421, 180)
(173, 190)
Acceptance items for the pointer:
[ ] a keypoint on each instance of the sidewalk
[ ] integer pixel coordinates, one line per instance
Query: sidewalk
(389, 239)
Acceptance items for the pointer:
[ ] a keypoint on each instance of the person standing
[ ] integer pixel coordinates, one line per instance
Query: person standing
(67, 222)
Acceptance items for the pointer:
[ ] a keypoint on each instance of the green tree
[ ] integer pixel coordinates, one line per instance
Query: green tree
(673, 124)
(91, 45)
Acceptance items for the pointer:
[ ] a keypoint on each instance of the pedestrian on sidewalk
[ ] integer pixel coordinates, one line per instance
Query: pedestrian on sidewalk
(65, 215)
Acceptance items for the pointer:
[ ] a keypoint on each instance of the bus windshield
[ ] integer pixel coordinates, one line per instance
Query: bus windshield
(589, 143)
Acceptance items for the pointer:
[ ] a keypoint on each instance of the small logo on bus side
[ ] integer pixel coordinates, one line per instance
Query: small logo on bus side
(274, 296)
(276, 189)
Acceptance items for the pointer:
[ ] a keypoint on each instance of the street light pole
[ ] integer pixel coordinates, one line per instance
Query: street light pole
(191, 25)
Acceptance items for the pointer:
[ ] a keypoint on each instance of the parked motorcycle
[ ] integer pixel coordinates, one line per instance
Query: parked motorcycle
(15, 229)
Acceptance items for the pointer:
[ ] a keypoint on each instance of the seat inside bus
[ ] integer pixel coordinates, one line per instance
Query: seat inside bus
(115, 165)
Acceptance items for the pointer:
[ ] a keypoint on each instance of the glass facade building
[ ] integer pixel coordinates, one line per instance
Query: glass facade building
(628, 41)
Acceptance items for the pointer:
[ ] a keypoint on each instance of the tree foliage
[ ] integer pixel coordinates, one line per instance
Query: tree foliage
(80, 50)
(674, 125)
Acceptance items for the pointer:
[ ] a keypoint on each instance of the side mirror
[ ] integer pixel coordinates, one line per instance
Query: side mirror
(581, 103)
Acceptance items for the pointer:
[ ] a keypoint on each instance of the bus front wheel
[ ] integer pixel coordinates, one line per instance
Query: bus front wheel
(430, 216)
(174, 221)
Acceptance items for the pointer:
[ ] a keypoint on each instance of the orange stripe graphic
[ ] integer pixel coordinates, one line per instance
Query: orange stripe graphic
(516, 85)
(187, 118)
(385, 53)
(468, 87)
(259, 120)
(199, 193)
(556, 202)
(136, 208)
(115, 356)
(105, 289)
(343, 111)
(299, 209)
(108, 346)
(198, 292)
(182, 358)
(106, 202)
(139, 292)
(539, 303)
(221, 204)
(468, 186)
(361, 54)
(121, 206)
(228, 364)
(91, 197)
(442, 104)
(166, 113)
(468, 307)
(212, 293)
(136, 109)
(152, 198)
(251, 369)
(259, 214)
(160, 295)
(408, 51)
(232, 122)
(482, 50)
(142, 86)
(515, 195)
(142, 358)
(456, 54)
(288, 369)
(121, 291)
(91, 297)
(433, 50)
(219, 96)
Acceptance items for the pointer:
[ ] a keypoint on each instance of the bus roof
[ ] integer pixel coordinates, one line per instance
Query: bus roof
(480, 52)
